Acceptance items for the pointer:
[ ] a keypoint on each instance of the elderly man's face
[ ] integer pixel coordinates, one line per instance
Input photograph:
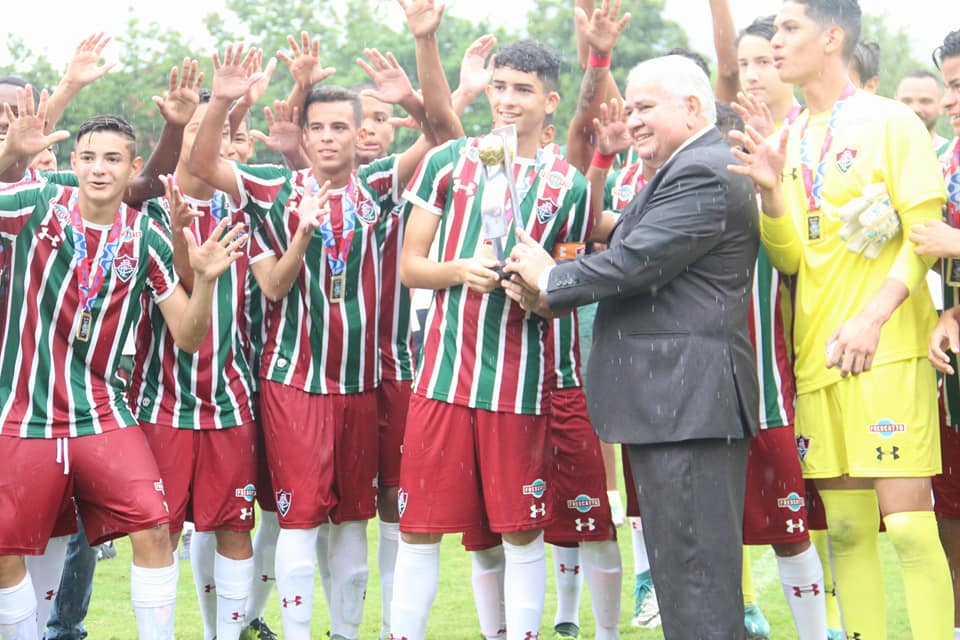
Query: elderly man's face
(658, 120)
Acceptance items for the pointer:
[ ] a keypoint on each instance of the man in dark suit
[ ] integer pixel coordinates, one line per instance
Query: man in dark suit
(672, 373)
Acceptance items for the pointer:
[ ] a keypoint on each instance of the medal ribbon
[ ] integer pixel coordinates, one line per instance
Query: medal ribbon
(813, 181)
(524, 185)
(338, 250)
(951, 178)
(89, 285)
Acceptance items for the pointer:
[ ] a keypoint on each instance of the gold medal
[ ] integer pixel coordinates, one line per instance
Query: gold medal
(337, 285)
(83, 329)
(951, 271)
(814, 232)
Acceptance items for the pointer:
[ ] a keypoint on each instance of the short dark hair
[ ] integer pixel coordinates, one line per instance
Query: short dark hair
(112, 124)
(845, 14)
(922, 73)
(17, 81)
(332, 93)
(866, 60)
(531, 56)
(949, 49)
(762, 27)
(727, 118)
(690, 54)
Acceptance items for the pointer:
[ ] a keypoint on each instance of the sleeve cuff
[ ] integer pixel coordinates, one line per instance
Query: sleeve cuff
(544, 280)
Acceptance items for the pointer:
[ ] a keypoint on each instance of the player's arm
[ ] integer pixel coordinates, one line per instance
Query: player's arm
(188, 317)
(725, 44)
(475, 73)
(612, 137)
(84, 69)
(242, 106)
(25, 136)
(177, 107)
(277, 275)
(231, 79)
(600, 29)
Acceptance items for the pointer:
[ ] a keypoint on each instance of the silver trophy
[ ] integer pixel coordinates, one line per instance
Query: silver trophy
(496, 154)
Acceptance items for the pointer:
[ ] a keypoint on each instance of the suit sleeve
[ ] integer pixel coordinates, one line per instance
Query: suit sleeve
(684, 219)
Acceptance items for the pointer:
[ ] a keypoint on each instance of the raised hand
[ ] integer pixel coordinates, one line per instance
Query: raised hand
(183, 94)
(423, 16)
(283, 134)
(304, 64)
(234, 76)
(935, 238)
(259, 87)
(313, 207)
(610, 129)
(475, 70)
(946, 335)
(181, 214)
(25, 137)
(84, 66)
(212, 258)
(602, 29)
(754, 113)
(393, 85)
(762, 159)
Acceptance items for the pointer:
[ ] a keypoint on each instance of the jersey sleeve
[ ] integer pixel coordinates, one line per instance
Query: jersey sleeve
(260, 186)
(430, 186)
(162, 277)
(381, 178)
(20, 201)
(612, 178)
(64, 178)
(261, 245)
(579, 221)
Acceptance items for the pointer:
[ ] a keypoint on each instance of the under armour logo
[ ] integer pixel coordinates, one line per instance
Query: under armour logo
(856, 636)
(468, 188)
(894, 451)
(393, 637)
(50, 595)
(812, 589)
(794, 526)
(246, 513)
(44, 234)
(540, 511)
(237, 615)
(793, 174)
(208, 588)
(589, 524)
(265, 578)
(575, 569)
(531, 635)
(296, 601)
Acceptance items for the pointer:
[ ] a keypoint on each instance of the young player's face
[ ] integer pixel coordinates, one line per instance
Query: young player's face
(798, 45)
(104, 165)
(8, 94)
(758, 75)
(190, 134)
(658, 120)
(330, 136)
(923, 96)
(46, 160)
(379, 132)
(241, 144)
(520, 98)
(950, 67)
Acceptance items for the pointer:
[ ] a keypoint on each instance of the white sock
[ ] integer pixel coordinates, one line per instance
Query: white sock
(386, 561)
(323, 562)
(524, 587)
(154, 595)
(641, 562)
(348, 576)
(264, 563)
(414, 588)
(802, 579)
(45, 572)
(604, 574)
(956, 633)
(488, 592)
(566, 564)
(295, 552)
(233, 579)
(203, 549)
(18, 611)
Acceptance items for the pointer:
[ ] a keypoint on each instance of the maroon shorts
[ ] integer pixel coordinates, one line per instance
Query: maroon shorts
(393, 401)
(633, 505)
(946, 486)
(461, 463)
(113, 477)
(774, 506)
(208, 473)
(816, 515)
(67, 520)
(265, 496)
(577, 479)
(322, 454)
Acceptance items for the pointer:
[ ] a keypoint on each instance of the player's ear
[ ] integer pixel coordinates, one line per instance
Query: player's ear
(137, 165)
(553, 101)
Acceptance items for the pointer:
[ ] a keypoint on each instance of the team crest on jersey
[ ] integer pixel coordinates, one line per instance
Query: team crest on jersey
(536, 488)
(793, 501)
(402, 501)
(583, 503)
(284, 501)
(624, 193)
(248, 492)
(61, 213)
(547, 211)
(887, 428)
(845, 159)
(472, 153)
(803, 447)
(367, 212)
(124, 266)
(556, 180)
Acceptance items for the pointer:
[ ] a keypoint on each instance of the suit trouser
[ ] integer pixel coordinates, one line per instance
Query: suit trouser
(691, 497)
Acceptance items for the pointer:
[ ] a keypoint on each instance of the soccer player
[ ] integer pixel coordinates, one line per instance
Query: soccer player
(861, 320)
(921, 91)
(319, 371)
(864, 68)
(76, 441)
(943, 239)
(483, 387)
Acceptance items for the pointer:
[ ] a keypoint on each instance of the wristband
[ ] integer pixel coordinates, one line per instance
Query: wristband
(597, 61)
(601, 161)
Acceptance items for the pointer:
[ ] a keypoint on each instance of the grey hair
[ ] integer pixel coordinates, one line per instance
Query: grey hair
(679, 76)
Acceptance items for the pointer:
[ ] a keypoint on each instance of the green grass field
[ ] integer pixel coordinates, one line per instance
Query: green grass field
(453, 616)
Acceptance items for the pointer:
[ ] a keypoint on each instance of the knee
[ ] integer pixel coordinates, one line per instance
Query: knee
(522, 538)
(420, 538)
(235, 545)
(387, 504)
(790, 549)
(152, 547)
(12, 571)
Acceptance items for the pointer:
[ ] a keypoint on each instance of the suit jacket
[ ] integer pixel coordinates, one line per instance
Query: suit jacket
(672, 358)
